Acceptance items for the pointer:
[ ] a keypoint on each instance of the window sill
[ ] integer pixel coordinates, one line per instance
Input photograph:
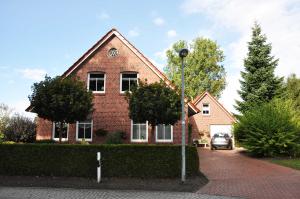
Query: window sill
(139, 141)
(57, 139)
(164, 141)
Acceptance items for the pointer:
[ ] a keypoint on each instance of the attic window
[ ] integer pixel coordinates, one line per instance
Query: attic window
(205, 109)
(113, 52)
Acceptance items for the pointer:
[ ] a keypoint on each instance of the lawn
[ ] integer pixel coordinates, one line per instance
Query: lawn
(292, 163)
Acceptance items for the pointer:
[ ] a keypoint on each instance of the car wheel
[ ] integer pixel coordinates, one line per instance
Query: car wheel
(211, 148)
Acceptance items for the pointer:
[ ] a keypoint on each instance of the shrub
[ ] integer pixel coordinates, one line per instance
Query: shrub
(1, 137)
(269, 130)
(101, 132)
(44, 141)
(145, 161)
(20, 129)
(114, 138)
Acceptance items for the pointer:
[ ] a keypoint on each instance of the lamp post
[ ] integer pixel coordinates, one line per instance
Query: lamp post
(182, 54)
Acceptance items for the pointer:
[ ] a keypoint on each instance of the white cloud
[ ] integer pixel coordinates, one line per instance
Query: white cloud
(103, 16)
(20, 106)
(279, 20)
(158, 21)
(134, 32)
(33, 74)
(161, 54)
(230, 94)
(171, 33)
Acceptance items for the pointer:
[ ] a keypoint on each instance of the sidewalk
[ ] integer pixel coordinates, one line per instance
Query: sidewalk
(191, 185)
(51, 193)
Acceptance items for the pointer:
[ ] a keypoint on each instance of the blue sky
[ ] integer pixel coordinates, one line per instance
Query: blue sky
(46, 37)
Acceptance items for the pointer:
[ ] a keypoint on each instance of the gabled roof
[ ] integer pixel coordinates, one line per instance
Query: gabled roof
(106, 37)
(200, 97)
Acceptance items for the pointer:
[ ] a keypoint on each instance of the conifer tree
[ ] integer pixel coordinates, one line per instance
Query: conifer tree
(258, 84)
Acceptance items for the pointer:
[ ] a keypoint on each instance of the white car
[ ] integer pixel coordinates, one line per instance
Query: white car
(221, 140)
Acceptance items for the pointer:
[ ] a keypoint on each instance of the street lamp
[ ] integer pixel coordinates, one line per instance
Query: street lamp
(182, 54)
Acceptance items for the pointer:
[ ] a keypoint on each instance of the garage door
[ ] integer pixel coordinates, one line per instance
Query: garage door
(220, 129)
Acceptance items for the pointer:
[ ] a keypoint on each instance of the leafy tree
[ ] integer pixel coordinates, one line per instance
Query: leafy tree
(270, 129)
(292, 90)
(155, 103)
(203, 67)
(20, 129)
(259, 83)
(62, 100)
(4, 117)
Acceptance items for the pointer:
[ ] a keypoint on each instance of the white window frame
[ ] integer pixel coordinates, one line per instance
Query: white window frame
(121, 80)
(206, 109)
(86, 139)
(88, 82)
(139, 140)
(53, 133)
(163, 140)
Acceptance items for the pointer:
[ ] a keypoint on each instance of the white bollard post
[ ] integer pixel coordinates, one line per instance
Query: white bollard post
(99, 167)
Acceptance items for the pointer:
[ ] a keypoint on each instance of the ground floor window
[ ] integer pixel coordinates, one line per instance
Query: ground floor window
(84, 131)
(55, 131)
(139, 132)
(164, 133)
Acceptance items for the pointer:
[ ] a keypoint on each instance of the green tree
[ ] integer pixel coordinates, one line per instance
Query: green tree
(62, 100)
(270, 129)
(20, 129)
(4, 118)
(155, 103)
(258, 84)
(203, 67)
(292, 90)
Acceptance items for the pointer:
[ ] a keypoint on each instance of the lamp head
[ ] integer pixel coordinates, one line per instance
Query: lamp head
(183, 52)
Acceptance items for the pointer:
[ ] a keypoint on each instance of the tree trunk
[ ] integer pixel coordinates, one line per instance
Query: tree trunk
(152, 134)
(61, 126)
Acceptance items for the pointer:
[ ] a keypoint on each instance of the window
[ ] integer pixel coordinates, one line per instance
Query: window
(139, 132)
(113, 52)
(205, 109)
(164, 133)
(55, 131)
(128, 80)
(84, 130)
(96, 82)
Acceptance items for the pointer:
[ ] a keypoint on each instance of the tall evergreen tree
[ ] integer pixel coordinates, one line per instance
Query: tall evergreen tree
(258, 84)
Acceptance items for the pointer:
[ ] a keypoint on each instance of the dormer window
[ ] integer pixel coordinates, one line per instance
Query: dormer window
(205, 109)
(96, 82)
(128, 81)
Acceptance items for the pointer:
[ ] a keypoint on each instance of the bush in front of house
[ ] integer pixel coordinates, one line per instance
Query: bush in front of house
(270, 130)
(101, 132)
(144, 161)
(20, 129)
(115, 137)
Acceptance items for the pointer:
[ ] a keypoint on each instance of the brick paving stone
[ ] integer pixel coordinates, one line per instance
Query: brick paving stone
(234, 174)
(55, 193)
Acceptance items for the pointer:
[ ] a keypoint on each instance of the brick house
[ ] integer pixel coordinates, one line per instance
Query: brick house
(109, 68)
(212, 118)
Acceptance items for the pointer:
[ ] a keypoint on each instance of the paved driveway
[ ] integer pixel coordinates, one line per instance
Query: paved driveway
(233, 174)
(52, 193)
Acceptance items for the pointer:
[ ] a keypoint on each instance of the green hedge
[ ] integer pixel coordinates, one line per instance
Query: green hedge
(146, 161)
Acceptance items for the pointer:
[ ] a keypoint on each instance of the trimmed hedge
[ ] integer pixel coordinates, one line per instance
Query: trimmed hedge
(145, 161)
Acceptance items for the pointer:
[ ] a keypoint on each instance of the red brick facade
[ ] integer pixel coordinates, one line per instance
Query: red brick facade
(110, 108)
(218, 116)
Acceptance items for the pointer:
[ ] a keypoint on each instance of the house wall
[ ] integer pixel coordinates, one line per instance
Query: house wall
(111, 108)
(201, 123)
